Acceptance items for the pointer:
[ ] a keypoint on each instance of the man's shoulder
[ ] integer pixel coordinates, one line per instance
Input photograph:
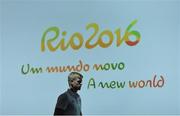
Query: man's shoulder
(63, 96)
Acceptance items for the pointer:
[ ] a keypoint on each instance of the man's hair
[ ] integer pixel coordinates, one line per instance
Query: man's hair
(72, 76)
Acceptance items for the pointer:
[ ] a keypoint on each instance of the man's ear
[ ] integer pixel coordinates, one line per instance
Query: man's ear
(71, 85)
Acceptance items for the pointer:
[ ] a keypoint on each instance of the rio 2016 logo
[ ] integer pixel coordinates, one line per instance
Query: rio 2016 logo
(77, 40)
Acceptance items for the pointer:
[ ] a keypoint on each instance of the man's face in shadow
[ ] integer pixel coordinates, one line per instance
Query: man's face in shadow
(76, 83)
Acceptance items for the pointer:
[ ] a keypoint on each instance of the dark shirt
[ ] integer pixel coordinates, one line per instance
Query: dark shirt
(68, 103)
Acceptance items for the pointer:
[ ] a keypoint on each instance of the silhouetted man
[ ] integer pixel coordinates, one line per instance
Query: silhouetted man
(69, 103)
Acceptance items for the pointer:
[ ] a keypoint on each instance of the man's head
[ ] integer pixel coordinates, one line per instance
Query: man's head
(74, 80)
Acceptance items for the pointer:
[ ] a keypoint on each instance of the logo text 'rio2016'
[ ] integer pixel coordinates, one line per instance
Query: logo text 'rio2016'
(76, 40)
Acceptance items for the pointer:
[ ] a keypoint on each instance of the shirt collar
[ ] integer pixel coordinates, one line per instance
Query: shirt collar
(73, 93)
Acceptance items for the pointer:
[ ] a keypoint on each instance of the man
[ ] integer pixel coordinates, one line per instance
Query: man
(69, 103)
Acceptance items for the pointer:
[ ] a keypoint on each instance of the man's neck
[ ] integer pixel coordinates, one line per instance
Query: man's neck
(73, 90)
